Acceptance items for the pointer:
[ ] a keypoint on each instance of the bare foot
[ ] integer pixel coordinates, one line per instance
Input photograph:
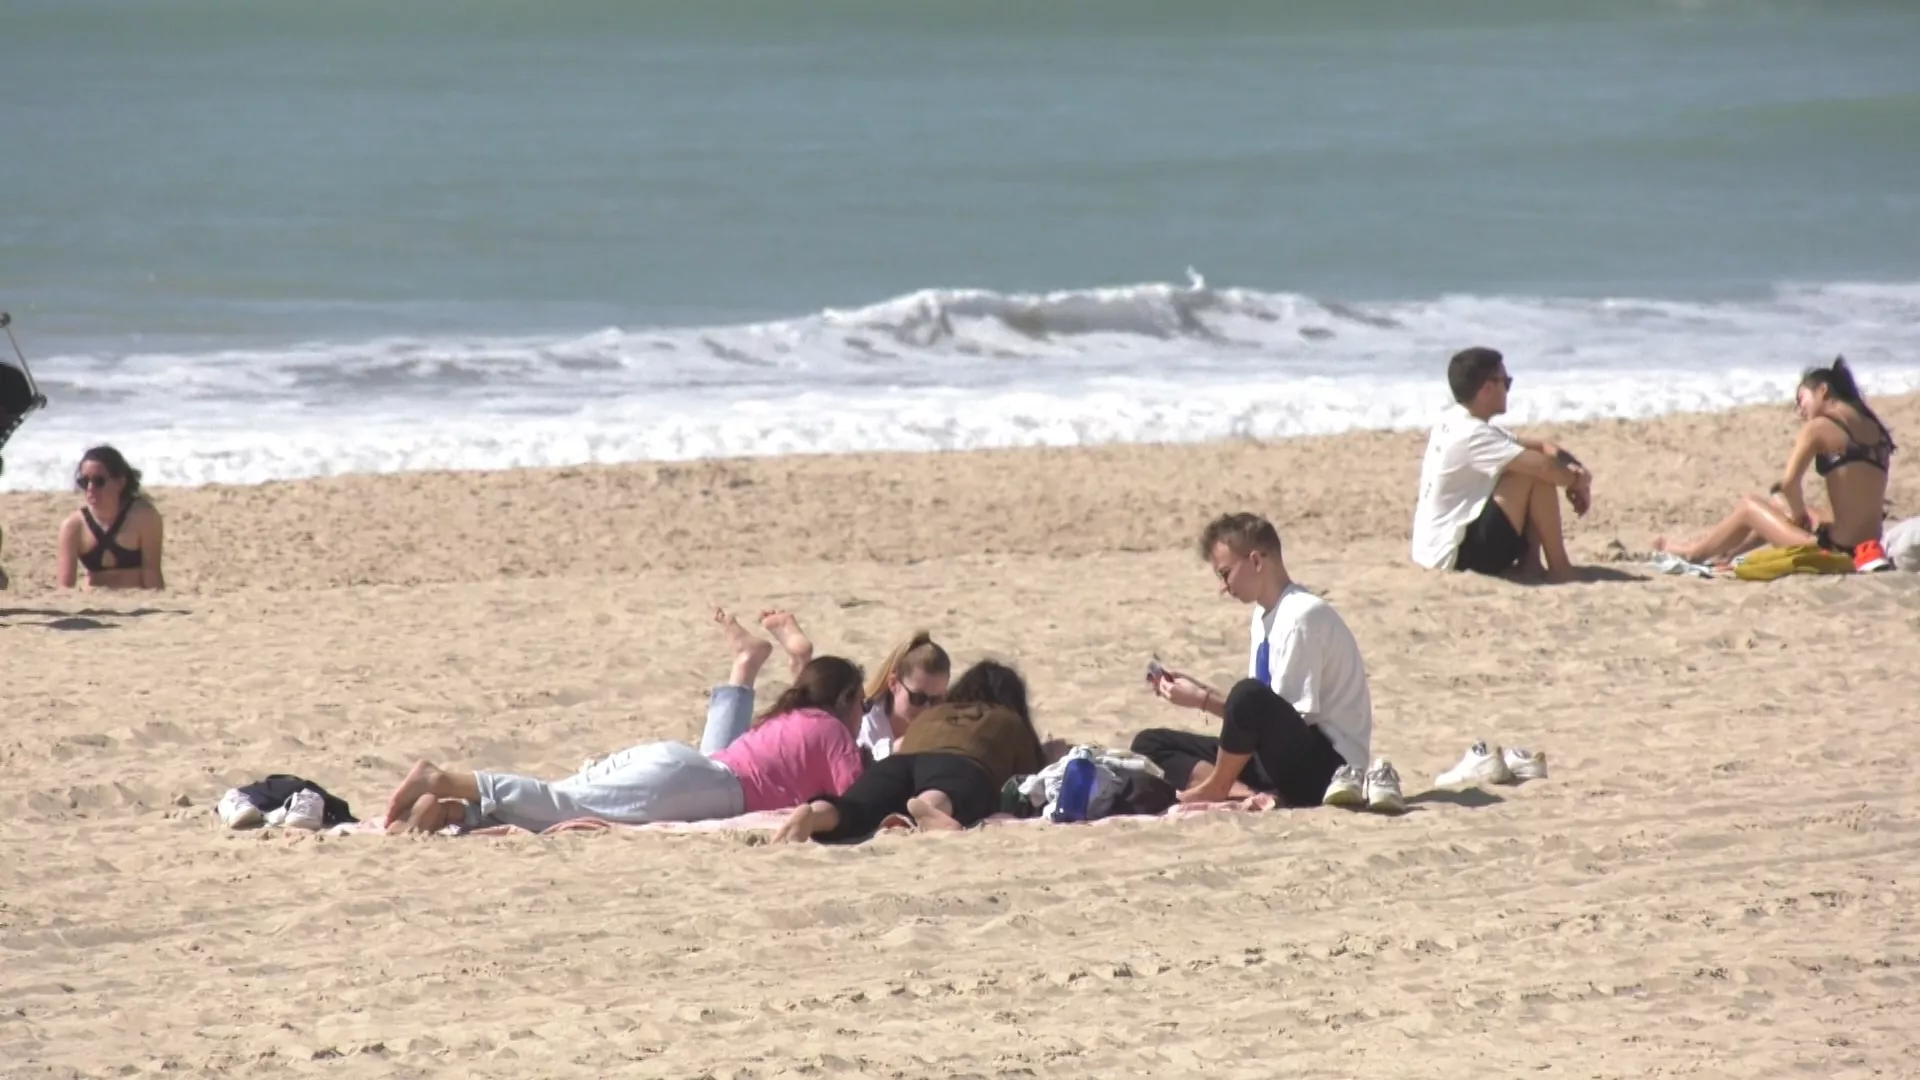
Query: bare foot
(419, 782)
(749, 652)
(798, 828)
(786, 630)
(1561, 576)
(427, 815)
(930, 817)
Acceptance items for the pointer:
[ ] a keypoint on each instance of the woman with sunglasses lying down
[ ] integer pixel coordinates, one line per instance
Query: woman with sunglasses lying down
(946, 771)
(116, 534)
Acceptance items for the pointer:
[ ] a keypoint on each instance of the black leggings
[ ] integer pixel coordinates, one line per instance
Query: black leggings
(888, 783)
(1291, 757)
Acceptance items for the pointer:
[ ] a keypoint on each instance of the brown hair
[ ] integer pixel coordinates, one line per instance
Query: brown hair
(1470, 369)
(995, 684)
(116, 465)
(822, 684)
(918, 655)
(1242, 533)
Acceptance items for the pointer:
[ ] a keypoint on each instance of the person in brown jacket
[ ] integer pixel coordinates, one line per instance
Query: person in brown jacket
(946, 771)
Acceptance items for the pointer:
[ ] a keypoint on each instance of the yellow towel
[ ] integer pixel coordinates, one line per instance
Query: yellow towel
(1769, 563)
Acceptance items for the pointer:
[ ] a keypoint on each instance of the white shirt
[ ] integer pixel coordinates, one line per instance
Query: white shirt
(876, 731)
(1314, 662)
(1465, 457)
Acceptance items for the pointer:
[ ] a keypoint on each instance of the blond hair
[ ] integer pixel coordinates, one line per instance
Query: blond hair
(918, 655)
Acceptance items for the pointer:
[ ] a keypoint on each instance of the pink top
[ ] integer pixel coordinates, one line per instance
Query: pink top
(791, 758)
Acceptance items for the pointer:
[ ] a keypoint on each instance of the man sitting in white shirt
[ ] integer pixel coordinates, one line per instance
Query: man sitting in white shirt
(1302, 716)
(1489, 499)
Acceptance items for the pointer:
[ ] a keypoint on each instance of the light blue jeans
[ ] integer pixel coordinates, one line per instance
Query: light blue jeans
(663, 781)
(729, 716)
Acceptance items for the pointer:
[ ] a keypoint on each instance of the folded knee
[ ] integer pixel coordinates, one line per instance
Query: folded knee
(1146, 742)
(1246, 692)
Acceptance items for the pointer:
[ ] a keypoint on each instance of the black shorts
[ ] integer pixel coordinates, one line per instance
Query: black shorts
(1491, 544)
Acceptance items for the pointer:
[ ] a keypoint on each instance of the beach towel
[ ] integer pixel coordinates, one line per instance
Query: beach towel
(771, 820)
(1772, 563)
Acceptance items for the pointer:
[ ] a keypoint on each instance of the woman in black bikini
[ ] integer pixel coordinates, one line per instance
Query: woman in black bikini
(1849, 448)
(117, 534)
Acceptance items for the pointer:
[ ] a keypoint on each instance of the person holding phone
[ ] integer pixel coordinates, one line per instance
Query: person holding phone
(1301, 724)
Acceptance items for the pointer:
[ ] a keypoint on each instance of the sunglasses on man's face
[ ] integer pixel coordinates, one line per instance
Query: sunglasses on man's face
(920, 699)
(89, 481)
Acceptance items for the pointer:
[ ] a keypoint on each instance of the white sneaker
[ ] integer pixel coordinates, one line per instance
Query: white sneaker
(1383, 788)
(237, 813)
(305, 810)
(1479, 765)
(1525, 764)
(1349, 788)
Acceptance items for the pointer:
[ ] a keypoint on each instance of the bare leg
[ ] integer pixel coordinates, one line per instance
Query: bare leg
(1533, 509)
(1753, 519)
(786, 630)
(749, 652)
(427, 778)
(1543, 531)
(1203, 770)
(933, 811)
(805, 821)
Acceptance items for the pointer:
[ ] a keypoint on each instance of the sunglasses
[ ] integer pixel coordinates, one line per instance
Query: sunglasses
(920, 699)
(88, 482)
(1509, 381)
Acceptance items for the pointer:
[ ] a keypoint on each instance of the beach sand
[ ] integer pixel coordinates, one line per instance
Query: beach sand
(1716, 880)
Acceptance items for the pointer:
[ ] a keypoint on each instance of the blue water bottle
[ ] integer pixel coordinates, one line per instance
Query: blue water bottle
(1076, 787)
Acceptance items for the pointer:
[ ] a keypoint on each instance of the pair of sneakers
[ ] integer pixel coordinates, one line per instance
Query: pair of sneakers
(303, 810)
(1376, 789)
(1487, 764)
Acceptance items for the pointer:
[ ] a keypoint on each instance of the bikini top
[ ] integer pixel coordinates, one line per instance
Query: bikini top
(104, 541)
(1877, 455)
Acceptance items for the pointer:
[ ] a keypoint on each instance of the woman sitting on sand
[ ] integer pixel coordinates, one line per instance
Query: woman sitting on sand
(1847, 446)
(799, 749)
(117, 534)
(946, 771)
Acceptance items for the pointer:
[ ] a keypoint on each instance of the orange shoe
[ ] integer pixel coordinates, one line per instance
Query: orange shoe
(1870, 555)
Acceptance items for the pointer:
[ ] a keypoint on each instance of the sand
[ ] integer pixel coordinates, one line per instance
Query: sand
(1716, 880)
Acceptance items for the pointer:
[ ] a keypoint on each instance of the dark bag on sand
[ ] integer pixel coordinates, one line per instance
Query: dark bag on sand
(1142, 793)
(272, 793)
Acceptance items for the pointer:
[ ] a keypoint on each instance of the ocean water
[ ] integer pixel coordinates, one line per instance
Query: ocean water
(246, 242)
